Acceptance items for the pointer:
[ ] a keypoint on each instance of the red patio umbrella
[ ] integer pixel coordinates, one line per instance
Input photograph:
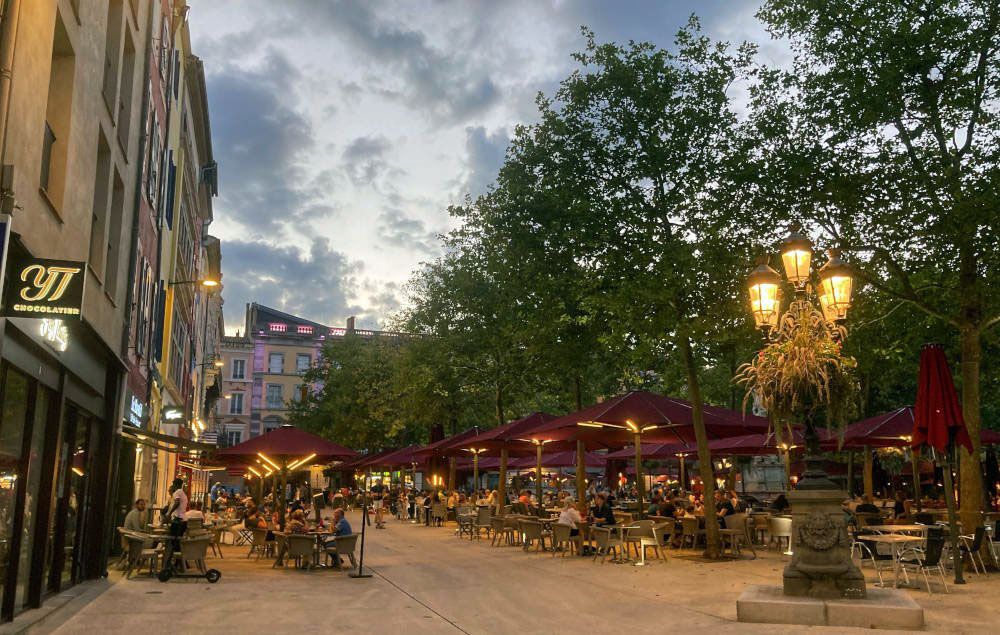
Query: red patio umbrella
(643, 416)
(938, 424)
(560, 459)
(755, 444)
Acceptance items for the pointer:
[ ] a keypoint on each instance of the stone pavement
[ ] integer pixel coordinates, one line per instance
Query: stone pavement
(428, 581)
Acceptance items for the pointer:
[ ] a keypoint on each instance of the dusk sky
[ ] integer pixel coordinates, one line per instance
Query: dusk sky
(344, 130)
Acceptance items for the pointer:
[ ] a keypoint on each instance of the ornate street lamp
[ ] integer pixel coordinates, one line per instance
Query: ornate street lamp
(796, 256)
(836, 285)
(765, 303)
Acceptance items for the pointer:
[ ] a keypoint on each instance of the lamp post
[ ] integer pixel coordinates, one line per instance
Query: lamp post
(794, 372)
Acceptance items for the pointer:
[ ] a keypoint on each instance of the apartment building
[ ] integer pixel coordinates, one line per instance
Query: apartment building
(71, 94)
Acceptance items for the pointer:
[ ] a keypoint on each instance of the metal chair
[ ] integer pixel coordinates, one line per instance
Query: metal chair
(928, 559)
(483, 521)
(973, 546)
(438, 512)
(870, 552)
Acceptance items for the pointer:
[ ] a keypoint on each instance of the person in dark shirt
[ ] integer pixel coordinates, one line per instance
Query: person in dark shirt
(867, 507)
(780, 503)
(899, 506)
(666, 509)
(723, 508)
(602, 511)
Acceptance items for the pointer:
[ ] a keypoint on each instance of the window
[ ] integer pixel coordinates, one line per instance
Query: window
(274, 397)
(112, 47)
(58, 115)
(239, 369)
(178, 347)
(303, 362)
(236, 403)
(233, 437)
(272, 423)
(153, 163)
(277, 327)
(305, 330)
(185, 243)
(99, 213)
(115, 242)
(125, 91)
(165, 49)
(297, 393)
(276, 363)
(144, 301)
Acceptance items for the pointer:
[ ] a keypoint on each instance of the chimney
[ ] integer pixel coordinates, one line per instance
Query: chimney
(350, 324)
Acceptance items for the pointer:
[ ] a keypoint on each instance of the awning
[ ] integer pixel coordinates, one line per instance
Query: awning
(164, 442)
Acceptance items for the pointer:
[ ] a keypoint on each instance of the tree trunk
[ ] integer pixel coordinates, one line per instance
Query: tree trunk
(915, 467)
(704, 456)
(970, 469)
(869, 466)
(538, 474)
(850, 474)
(578, 392)
(282, 501)
(451, 474)
(581, 477)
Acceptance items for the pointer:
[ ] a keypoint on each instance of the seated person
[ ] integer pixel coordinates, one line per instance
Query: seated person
(780, 503)
(723, 508)
(867, 507)
(340, 528)
(666, 509)
(297, 523)
(602, 513)
(194, 512)
(571, 517)
(654, 506)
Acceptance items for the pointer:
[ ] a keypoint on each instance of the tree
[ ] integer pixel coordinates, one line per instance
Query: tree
(890, 120)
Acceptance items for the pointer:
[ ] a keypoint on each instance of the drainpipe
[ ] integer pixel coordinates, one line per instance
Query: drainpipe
(11, 12)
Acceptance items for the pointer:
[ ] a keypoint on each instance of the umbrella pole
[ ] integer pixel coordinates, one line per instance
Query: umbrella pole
(682, 473)
(475, 475)
(360, 573)
(538, 474)
(640, 484)
(915, 462)
(502, 485)
(581, 477)
(949, 497)
(850, 473)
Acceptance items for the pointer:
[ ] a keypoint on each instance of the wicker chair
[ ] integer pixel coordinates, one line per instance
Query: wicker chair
(301, 548)
(691, 530)
(605, 544)
(778, 528)
(193, 550)
(737, 533)
(561, 538)
(532, 532)
(438, 513)
(483, 521)
(260, 544)
(343, 546)
(139, 554)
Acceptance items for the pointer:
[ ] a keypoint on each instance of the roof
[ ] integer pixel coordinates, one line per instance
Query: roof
(259, 316)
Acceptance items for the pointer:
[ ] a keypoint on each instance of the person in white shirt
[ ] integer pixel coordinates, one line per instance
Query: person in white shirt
(194, 513)
(571, 517)
(178, 501)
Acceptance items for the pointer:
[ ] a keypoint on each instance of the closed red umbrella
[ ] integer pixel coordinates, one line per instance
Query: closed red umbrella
(938, 423)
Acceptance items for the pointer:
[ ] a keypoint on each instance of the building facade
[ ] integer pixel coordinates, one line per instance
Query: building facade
(105, 189)
(71, 103)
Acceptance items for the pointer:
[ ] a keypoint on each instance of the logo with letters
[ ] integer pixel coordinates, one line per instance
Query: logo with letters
(44, 288)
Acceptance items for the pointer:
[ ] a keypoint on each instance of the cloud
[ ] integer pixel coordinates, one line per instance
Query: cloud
(262, 143)
(364, 159)
(442, 78)
(398, 229)
(485, 154)
(316, 284)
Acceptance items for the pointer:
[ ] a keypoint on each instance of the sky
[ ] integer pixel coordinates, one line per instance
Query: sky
(345, 129)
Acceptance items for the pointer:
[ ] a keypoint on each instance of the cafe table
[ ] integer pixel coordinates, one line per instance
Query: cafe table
(896, 543)
(898, 529)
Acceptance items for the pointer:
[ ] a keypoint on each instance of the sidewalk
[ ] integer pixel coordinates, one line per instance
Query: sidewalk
(428, 581)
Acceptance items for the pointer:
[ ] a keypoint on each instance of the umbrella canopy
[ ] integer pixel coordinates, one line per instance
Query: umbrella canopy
(653, 451)
(404, 457)
(284, 443)
(438, 448)
(660, 419)
(486, 463)
(938, 415)
(754, 444)
(890, 429)
(559, 459)
(511, 435)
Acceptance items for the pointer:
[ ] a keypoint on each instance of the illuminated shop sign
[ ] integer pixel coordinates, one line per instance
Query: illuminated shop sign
(55, 333)
(43, 288)
(173, 413)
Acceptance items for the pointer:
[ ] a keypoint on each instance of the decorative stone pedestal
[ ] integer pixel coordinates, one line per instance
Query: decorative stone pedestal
(821, 565)
(883, 608)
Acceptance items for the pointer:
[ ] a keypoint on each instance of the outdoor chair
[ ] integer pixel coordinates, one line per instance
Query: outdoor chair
(299, 547)
(532, 533)
(736, 534)
(869, 551)
(561, 539)
(343, 546)
(780, 528)
(758, 526)
(483, 521)
(466, 519)
(995, 542)
(139, 554)
(500, 531)
(259, 544)
(923, 518)
(927, 559)
(634, 534)
(605, 544)
(973, 546)
(193, 550)
(217, 533)
(438, 512)
(691, 531)
(648, 536)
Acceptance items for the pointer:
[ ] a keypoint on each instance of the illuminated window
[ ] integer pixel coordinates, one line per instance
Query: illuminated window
(305, 330)
(277, 327)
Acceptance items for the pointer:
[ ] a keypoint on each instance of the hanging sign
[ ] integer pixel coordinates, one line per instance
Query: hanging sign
(44, 288)
(4, 242)
(173, 413)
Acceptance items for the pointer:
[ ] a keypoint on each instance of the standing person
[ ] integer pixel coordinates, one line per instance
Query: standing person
(378, 499)
(176, 512)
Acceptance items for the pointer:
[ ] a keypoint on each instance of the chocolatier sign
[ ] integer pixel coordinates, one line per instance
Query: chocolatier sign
(44, 288)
